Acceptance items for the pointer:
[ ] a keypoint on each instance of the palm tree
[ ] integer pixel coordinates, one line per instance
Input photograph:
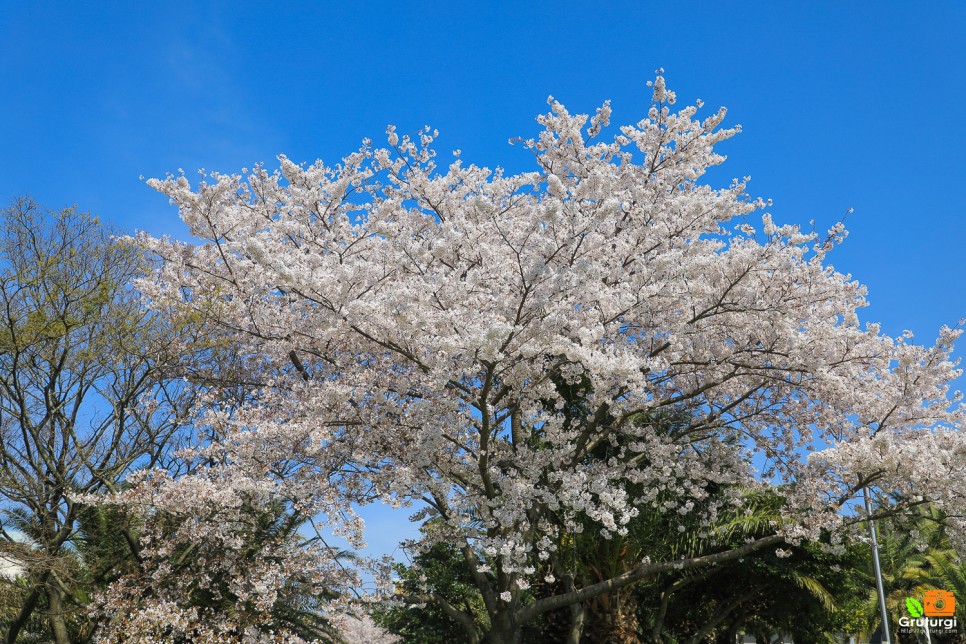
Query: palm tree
(794, 591)
(916, 556)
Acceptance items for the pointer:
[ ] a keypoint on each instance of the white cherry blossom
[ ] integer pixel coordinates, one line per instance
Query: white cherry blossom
(417, 323)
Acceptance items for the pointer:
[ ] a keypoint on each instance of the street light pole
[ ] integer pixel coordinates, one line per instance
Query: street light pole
(878, 569)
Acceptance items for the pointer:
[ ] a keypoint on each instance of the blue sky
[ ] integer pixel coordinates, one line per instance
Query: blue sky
(844, 105)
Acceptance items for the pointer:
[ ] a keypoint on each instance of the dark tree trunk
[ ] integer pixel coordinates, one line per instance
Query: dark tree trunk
(29, 604)
(577, 614)
(58, 625)
(504, 631)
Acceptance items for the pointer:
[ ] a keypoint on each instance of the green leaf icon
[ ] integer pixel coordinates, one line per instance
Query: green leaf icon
(914, 607)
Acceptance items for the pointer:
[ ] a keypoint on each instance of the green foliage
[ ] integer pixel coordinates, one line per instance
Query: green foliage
(806, 593)
(442, 570)
(79, 353)
(916, 556)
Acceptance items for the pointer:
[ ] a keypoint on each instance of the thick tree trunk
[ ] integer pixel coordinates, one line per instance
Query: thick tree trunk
(504, 636)
(577, 614)
(58, 625)
(504, 630)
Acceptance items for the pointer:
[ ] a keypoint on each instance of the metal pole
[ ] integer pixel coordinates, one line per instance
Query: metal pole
(878, 569)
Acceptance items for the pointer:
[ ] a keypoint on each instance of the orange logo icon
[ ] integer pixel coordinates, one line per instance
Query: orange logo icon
(939, 603)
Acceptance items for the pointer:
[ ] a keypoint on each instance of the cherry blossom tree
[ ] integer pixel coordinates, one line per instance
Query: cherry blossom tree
(221, 557)
(500, 348)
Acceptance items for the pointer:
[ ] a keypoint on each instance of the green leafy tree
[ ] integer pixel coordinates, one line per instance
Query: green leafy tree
(79, 355)
(438, 575)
